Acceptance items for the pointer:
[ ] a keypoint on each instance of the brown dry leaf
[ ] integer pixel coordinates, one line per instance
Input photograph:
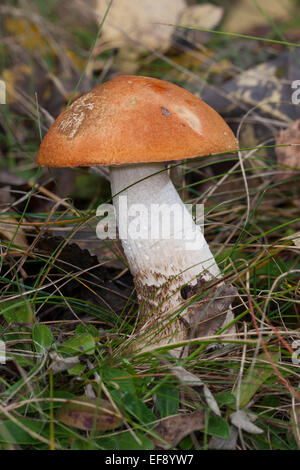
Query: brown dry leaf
(267, 87)
(189, 379)
(138, 20)
(8, 227)
(220, 443)
(243, 419)
(13, 77)
(295, 238)
(9, 178)
(87, 414)
(28, 33)
(245, 15)
(206, 316)
(172, 430)
(61, 364)
(109, 253)
(74, 13)
(206, 16)
(288, 156)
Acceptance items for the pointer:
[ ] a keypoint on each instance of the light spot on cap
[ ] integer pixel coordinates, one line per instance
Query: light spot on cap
(165, 112)
(189, 118)
(75, 116)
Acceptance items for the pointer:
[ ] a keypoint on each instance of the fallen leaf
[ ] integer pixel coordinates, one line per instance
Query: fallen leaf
(138, 20)
(295, 238)
(28, 33)
(19, 78)
(244, 420)
(206, 316)
(206, 16)
(288, 156)
(60, 364)
(9, 178)
(187, 378)
(87, 414)
(78, 13)
(27, 76)
(10, 231)
(170, 431)
(267, 87)
(245, 15)
(192, 380)
(219, 443)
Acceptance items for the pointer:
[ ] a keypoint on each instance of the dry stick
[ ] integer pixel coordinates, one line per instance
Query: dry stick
(264, 313)
(54, 197)
(25, 428)
(23, 294)
(52, 283)
(31, 247)
(212, 190)
(238, 395)
(281, 339)
(242, 164)
(295, 418)
(69, 278)
(26, 381)
(131, 431)
(212, 62)
(49, 29)
(80, 281)
(15, 406)
(263, 345)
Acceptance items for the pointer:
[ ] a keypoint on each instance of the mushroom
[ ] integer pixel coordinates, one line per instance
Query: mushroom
(135, 124)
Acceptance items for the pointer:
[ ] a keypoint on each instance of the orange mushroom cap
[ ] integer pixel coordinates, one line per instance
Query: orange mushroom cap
(133, 119)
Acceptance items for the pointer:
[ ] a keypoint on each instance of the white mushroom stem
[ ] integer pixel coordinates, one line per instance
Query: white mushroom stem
(164, 248)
